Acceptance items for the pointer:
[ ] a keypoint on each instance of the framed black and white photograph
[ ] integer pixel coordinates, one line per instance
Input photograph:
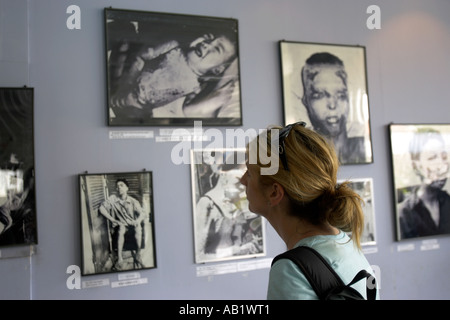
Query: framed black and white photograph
(117, 222)
(18, 225)
(224, 228)
(171, 69)
(364, 187)
(420, 167)
(325, 85)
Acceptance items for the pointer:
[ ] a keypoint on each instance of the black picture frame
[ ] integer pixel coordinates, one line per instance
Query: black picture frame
(420, 171)
(166, 69)
(223, 226)
(100, 235)
(18, 218)
(340, 109)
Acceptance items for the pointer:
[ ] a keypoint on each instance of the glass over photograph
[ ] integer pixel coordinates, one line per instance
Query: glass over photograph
(420, 173)
(17, 180)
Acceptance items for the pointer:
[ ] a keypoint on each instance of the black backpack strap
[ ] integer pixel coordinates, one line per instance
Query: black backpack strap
(316, 270)
(320, 274)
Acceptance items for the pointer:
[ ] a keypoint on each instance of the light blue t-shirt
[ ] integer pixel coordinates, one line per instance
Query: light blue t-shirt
(287, 282)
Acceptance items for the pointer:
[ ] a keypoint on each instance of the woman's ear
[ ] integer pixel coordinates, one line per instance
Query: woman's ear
(276, 194)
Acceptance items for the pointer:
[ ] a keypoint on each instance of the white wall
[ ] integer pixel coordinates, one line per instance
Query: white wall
(408, 76)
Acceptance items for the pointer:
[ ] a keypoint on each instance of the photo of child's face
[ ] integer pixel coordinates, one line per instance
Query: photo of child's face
(327, 101)
(210, 54)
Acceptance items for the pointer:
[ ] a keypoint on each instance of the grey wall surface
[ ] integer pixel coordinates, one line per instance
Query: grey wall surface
(408, 76)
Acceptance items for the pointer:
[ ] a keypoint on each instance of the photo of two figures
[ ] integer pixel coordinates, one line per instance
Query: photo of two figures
(224, 227)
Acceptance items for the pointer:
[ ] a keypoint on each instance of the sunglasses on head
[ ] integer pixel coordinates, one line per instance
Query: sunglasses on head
(284, 133)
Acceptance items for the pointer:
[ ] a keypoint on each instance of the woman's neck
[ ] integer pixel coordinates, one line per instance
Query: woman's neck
(309, 231)
(290, 227)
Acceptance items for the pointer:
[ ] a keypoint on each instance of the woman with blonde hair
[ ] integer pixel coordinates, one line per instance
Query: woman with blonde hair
(306, 206)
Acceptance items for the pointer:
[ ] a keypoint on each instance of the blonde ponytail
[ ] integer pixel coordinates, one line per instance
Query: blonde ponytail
(346, 213)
